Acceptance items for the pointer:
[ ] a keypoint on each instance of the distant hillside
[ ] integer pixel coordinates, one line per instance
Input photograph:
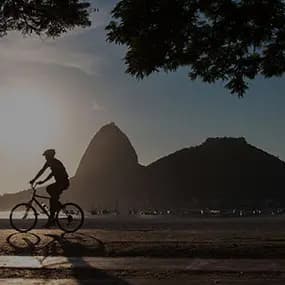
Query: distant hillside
(221, 172)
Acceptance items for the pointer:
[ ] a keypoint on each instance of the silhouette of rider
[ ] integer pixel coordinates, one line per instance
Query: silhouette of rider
(61, 181)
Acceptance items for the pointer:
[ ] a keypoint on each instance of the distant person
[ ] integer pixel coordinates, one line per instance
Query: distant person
(61, 182)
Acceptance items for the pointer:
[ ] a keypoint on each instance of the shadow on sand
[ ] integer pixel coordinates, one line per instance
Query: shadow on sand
(67, 245)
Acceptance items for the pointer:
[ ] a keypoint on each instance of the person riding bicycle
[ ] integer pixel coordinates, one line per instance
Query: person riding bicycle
(60, 175)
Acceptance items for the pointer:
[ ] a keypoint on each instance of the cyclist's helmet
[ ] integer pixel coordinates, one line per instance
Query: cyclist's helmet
(49, 152)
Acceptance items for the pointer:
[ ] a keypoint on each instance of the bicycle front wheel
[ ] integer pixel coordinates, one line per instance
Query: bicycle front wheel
(70, 217)
(23, 217)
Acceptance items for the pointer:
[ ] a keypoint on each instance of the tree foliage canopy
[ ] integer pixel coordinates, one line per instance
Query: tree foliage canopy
(43, 17)
(227, 40)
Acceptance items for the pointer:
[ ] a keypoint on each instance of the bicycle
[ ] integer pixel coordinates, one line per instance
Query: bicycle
(24, 216)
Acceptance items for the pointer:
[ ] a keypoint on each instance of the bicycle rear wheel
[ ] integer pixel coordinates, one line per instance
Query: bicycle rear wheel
(23, 217)
(70, 217)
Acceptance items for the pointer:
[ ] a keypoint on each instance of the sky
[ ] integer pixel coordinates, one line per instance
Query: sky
(59, 93)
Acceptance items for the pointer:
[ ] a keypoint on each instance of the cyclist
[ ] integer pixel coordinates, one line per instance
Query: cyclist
(60, 175)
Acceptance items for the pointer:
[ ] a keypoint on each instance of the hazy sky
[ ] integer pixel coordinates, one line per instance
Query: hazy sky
(58, 93)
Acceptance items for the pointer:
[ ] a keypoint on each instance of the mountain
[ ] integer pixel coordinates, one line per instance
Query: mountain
(221, 172)
(109, 172)
(109, 152)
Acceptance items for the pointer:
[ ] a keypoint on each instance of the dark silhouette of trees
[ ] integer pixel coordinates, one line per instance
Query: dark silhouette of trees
(43, 17)
(229, 40)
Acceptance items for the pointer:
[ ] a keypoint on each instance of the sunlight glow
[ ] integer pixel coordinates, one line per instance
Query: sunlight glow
(28, 122)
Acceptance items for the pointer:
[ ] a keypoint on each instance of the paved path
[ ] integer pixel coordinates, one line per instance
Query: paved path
(35, 270)
(174, 281)
(145, 264)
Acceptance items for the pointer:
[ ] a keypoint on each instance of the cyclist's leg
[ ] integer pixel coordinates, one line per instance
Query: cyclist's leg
(61, 186)
(50, 188)
(53, 191)
(57, 204)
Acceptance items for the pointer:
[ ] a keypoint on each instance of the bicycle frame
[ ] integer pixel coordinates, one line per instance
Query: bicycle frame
(34, 196)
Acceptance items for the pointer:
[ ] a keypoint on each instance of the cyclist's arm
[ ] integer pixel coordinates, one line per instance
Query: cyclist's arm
(40, 172)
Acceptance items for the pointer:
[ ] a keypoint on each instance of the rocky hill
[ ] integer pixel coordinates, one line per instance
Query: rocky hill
(109, 174)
